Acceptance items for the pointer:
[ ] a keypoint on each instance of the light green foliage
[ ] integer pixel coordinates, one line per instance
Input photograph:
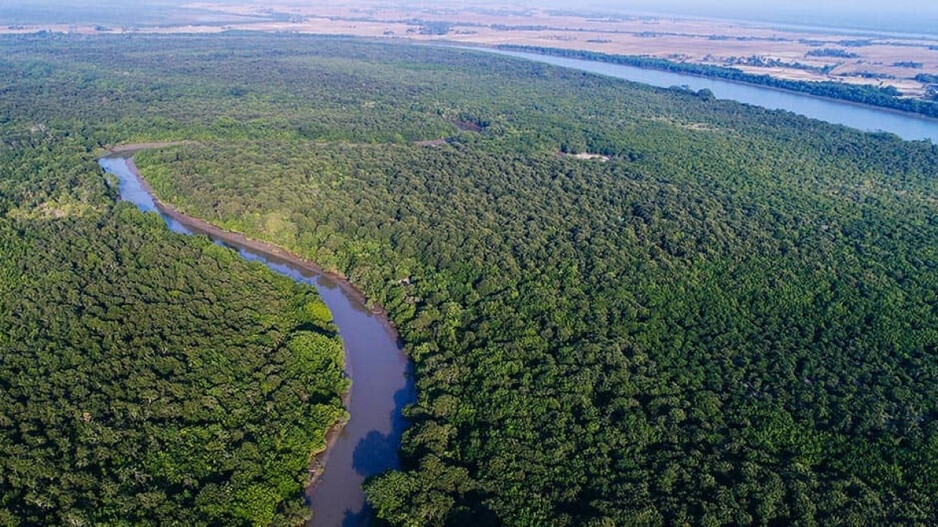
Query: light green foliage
(317, 313)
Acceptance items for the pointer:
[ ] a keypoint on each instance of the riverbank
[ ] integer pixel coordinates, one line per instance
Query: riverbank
(137, 147)
(908, 126)
(277, 257)
(868, 96)
(237, 238)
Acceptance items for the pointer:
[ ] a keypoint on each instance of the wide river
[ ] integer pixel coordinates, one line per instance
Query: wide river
(866, 118)
(381, 380)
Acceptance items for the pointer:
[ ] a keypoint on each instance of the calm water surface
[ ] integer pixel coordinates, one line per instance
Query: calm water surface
(906, 126)
(381, 380)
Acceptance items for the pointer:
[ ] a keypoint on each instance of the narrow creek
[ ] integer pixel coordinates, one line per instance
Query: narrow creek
(380, 372)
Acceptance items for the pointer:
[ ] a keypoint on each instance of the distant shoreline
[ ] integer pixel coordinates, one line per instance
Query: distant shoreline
(746, 79)
(778, 44)
(823, 29)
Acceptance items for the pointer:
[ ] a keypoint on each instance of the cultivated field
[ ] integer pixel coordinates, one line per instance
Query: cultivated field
(755, 48)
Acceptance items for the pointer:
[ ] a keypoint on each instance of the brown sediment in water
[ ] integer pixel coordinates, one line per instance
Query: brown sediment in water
(200, 226)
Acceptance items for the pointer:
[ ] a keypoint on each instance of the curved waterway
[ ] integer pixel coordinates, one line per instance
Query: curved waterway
(381, 382)
(867, 118)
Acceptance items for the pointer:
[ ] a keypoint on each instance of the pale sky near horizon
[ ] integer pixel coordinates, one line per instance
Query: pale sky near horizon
(910, 5)
(912, 16)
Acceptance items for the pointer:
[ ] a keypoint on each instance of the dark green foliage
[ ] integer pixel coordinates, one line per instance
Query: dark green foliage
(146, 377)
(435, 28)
(732, 320)
(832, 52)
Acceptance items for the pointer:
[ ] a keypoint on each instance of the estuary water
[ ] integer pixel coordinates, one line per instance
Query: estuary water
(381, 381)
(866, 118)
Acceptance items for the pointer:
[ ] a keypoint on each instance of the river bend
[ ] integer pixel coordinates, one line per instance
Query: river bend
(380, 372)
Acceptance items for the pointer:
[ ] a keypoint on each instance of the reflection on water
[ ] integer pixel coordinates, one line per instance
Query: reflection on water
(380, 373)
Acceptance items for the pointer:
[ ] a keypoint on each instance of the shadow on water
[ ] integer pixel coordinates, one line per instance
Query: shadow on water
(357, 519)
(377, 452)
(382, 382)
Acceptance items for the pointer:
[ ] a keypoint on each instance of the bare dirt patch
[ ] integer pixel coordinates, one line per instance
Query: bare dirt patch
(586, 156)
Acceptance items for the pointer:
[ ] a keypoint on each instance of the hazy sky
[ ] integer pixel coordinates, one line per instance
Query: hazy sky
(911, 16)
(887, 15)
(838, 4)
(908, 6)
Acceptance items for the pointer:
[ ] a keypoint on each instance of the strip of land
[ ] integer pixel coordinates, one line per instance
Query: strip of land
(907, 63)
(236, 238)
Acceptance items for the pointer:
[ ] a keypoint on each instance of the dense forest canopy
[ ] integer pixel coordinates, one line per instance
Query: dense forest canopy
(145, 377)
(732, 320)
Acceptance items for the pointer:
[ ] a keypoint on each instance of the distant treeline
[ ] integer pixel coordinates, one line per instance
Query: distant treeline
(884, 97)
(832, 52)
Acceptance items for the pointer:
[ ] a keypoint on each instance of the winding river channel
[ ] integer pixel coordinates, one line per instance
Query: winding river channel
(381, 381)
